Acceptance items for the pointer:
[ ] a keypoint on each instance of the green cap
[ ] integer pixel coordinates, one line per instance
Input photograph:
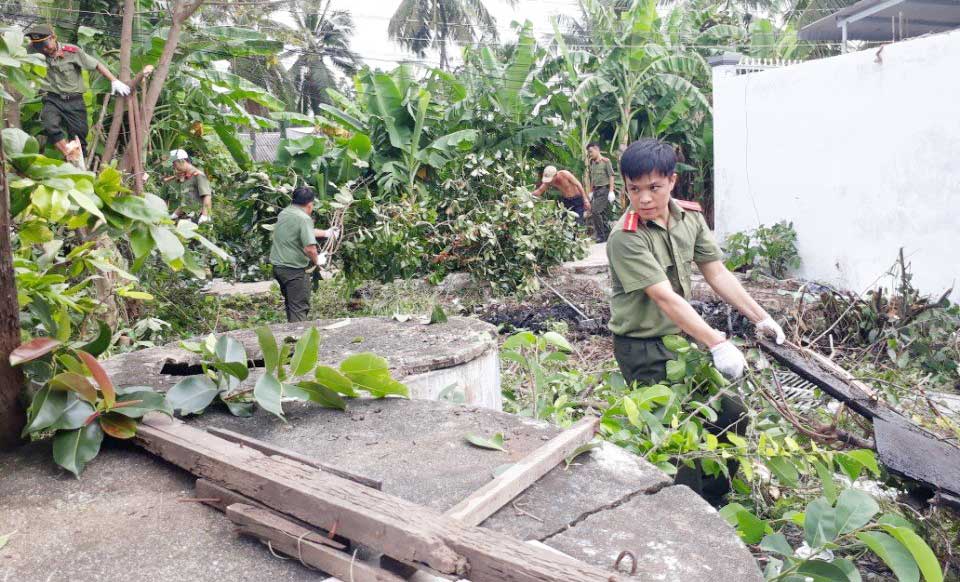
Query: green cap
(39, 31)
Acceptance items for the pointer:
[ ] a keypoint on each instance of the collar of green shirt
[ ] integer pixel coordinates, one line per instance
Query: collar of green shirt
(676, 213)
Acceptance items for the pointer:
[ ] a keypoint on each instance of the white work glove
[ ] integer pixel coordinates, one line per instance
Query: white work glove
(321, 259)
(771, 328)
(333, 233)
(203, 218)
(728, 360)
(119, 87)
(611, 197)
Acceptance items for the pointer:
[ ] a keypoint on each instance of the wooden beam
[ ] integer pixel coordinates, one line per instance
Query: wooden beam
(487, 500)
(298, 542)
(389, 524)
(917, 454)
(813, 370)
(270, 449)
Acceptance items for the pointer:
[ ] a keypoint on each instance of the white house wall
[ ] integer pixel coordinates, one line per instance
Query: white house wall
(863, 156)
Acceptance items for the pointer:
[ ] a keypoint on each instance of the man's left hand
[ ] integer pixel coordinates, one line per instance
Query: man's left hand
(771, 328)
(120, 88)
(203, 218)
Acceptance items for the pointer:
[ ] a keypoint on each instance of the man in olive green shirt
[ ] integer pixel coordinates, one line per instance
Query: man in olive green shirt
(600, 183)
(651, 251)
(293, 252)
(191, 187)
(63, 91)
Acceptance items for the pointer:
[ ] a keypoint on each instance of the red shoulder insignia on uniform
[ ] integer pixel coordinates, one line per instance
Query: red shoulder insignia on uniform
(69, 48)
(689, 205)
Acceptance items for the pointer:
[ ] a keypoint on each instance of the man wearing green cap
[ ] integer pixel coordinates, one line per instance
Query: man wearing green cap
(64, 114)
(192, 188)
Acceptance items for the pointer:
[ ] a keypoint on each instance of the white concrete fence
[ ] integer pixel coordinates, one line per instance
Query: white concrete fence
(860, 151)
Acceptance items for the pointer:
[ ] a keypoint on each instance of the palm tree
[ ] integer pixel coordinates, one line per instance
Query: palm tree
(421, 24)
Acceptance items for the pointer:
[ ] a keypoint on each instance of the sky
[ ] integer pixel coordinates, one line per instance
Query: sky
(372, 17)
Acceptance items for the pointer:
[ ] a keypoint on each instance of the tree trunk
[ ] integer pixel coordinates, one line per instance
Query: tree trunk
(12, 108)
(12, 416)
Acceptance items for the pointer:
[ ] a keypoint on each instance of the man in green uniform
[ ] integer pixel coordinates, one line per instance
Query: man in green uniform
(600, 182)
(62, 89)
(293, 252)
(191, 189)
(650, 251)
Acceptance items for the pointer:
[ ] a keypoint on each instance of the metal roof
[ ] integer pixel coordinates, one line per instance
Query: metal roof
(885, 20)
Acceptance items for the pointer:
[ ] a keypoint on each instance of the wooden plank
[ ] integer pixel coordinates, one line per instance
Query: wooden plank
(916, 454)
(389, 524)
(293, 540)
(270, 449)
(812, 370)
(220, 498)
(487, 500)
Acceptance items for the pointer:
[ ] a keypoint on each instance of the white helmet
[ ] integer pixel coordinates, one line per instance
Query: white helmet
(178, 155)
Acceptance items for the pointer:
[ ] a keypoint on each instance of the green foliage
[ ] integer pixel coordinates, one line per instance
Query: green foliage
(287, 375)
(773, 250)
(76, 402)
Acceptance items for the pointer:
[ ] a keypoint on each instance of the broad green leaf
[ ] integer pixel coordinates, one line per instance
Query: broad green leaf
(103, 340)
(268, 347)
(676, 370)
(305, 353)
(192, 394)
(675, 343)
(558, 341)
(17, 142)
(365, 363)
(142, 402)
(896, 521)
(228, 349)
(71, 382)
(783, 468)
(33, 349)
(316, 393)
(633, 413)
(820, 571)
(73, 449)
(268, 391)
(335, 381)
(776, 543)
(236, 369)
(75, 414)
(494, 443)
(118, 426)
(240, 408)
(379, 386)
(138, 209)
(750, 527)
(169, 245)
(820, 523)
(893, 554)
(865, 457)
(48, 406)
(854, 510)
(921, 552)
(101, 377)
(519, 340)
(848, 568)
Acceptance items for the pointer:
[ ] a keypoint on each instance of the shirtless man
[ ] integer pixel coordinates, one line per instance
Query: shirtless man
(574, 197)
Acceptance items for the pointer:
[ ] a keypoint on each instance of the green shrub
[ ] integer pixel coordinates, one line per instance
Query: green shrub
(773, 250)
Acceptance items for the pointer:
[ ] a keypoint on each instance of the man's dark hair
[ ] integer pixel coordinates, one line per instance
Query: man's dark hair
(304, 195)
(593, 144)
(646, 156)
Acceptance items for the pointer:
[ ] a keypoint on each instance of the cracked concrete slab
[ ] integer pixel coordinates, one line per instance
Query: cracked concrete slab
(124, 510)
(673, 533)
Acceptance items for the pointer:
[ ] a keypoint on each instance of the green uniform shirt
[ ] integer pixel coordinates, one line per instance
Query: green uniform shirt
(65, 73)
(600, 173)
(649, 256)
(188, 195)
(292, 232)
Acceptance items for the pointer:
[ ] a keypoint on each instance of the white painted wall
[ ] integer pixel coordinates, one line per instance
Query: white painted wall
(863, 157)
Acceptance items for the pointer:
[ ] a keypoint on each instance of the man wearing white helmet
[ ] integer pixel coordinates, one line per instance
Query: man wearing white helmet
(191, 187)
(573, 196)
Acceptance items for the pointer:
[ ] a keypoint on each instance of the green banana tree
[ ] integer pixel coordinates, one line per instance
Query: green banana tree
(405, 122)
